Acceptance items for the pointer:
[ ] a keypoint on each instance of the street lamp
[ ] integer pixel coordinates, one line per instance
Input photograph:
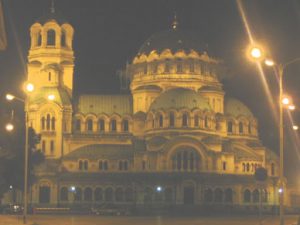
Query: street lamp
(9, 127)
(29, 87)
(258, 54)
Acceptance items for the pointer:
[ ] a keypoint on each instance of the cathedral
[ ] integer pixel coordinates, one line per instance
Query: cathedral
(175, 140)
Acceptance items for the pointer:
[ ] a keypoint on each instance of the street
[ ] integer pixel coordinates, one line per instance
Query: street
(155, 220)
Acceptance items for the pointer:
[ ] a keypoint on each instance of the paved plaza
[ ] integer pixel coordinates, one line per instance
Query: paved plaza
(154, 220)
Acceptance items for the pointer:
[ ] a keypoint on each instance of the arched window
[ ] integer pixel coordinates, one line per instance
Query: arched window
(196, 121)
(120, 165)
(192, 66)
(229, 127)
(43, 121)
(63, 39)
(169, 194)
(39, 39)
(85, 165)
(49, 76)
(51, 37)
(125, 165)
(244, 167)
(172, 119)
(249, 128)
(125, 125)
(100, 165)
(247, 196)
(78, 125)
(64, 194)
(53, 123)
(161, 121)
(218, 195)
(241, 127)
(272, 169)
(145, 68)
(113, 125)
(98, 194)
(78, 194)
(108, 194)
(154, 67)
(208, 195)
(228, 195)
(186, 159)
(48, 122)
(255, 195)
(206, 121)
(148, 194)
(119, 195)
(87, 195)
(185, 120)
(179, 66)
(129, 197)
(167, 66)
(80, 165)
(248, 167)
(89, 124)
(264, 195)
(101, 124)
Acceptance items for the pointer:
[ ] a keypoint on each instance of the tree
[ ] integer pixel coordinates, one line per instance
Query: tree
(12, 155)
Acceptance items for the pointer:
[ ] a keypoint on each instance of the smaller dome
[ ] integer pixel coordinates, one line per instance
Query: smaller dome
(236, 108)
(179, 98)
(52, 16)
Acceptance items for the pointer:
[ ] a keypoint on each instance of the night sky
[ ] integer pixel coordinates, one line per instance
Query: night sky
(109, 33)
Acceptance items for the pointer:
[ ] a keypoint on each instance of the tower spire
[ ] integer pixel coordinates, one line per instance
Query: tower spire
(52, 9)
(175, 22)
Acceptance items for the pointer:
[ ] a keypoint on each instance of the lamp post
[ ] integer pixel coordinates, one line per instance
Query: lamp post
(258, 54)
(28, 89)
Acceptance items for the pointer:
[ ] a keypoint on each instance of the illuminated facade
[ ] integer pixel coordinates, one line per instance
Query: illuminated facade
(176, 139)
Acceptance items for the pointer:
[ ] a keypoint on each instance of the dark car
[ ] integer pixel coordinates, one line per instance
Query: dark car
(12, 209)
(110, 209)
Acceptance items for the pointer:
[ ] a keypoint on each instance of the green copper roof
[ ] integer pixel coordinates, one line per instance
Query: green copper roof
(236, 108)
(60, 94)
(108, 104)
(180, 98)
(98, 151)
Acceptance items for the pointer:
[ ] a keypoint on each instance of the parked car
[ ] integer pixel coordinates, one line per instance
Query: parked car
(12, 209)
(110, 209)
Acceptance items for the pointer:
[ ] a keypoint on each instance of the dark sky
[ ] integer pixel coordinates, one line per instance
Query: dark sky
(109, 33)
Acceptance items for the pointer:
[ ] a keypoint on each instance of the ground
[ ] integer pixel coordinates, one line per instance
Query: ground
(155, 220)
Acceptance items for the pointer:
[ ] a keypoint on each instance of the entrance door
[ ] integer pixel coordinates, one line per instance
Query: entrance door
(44, 194)
(188, 195)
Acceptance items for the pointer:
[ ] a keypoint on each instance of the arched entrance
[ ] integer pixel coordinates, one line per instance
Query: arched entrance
(188, 195)
(44, 194)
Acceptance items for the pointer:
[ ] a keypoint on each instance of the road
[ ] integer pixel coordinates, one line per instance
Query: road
(154, 220)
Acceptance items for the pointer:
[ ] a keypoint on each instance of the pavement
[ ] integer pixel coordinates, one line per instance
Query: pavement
(153, 220)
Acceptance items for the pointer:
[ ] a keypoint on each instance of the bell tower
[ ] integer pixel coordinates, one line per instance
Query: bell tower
(50, 69)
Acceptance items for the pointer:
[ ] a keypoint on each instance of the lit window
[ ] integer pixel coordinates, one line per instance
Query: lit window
(52, 146)
(161, 121)
(125, 125)
(172, 119)
(78, 125)
(89, 124)
(101, 125)
(184, 120)
(229, 127)
(241, 127)
(113, 125)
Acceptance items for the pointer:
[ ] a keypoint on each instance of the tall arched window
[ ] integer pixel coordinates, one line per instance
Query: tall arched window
(196, 121)
(206, 122)
(186, 159)
(113, 125)
(255, 195)
(98, 194)
(48, 122)
(80, 165)
(228, 195)
(89, 124)
(53, 123)
(229, 127)
(185, 120)
(241, 127)
(88, 194)
(161, 120)
(39, 39)
(108, 195)
(167, 66)
(272, 169)
(192, 66)
(125, 125)
(64, 194)
(264, 195)
(247, 196)
(101, 125)
(85, 165)
(169, 194)
(218, 195)
(78, 194)
(51, 37)
(43, 121)
(63, 39)
(172, 119)
(249, 128)
(208, 195)
(49, 76)
(179, 66)
(78, 125)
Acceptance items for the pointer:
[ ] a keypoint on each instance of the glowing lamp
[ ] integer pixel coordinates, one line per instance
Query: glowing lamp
(9, 127)
(51, 97)
(9, 97)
